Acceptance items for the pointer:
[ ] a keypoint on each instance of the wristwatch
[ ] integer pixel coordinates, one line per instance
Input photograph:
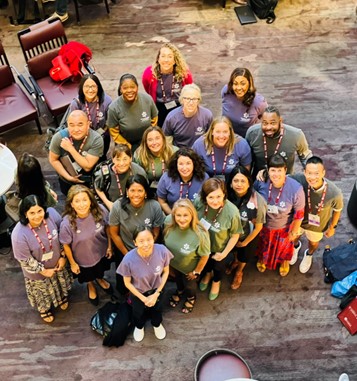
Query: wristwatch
(195, 273)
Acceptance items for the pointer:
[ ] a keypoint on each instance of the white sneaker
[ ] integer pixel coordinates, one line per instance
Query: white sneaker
(160, 332)
(138, 334)
(295, 255)
(63, 18)
(305, 263)
(344, 377)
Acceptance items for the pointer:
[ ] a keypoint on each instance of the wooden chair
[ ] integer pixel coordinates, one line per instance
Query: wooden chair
(40, 44)
(15, 106)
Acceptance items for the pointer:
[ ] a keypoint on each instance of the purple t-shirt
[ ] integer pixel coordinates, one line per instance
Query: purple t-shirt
(185, 131)
(145, 273)
(89, 241)
(25, 244)
(241, 116)
(169, 189)
(292, 199)
(97, 119)
(241, 155)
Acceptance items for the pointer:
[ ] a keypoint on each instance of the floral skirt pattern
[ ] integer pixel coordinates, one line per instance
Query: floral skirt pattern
(274, 247)
(42, 294)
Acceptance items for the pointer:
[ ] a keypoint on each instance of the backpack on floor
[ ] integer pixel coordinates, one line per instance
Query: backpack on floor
(340, 261)
(264, 9)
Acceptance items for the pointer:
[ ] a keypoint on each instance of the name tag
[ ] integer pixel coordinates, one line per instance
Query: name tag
(205, 223)
(170, 105)
(273, 209)
(47, 256)
(154, 184)
(314, 219)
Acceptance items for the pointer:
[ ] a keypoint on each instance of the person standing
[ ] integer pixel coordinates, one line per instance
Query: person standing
(323, 206)
(145, 270)
(273, 137)
(241, 104)
(189, 121)
(165, 79)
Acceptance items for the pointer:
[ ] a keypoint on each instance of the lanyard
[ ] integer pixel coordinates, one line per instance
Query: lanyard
(277, 146)
(181, 188)
(121, 194)
(82, 144)
(214, 162)
(49, 236)
(90, 116)
(154, 171)
(216, 216)
(279, 194)
(321, 204)
(163, 89)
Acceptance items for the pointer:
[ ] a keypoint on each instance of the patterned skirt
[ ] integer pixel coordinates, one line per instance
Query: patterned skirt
(44, 293)
(274, 247)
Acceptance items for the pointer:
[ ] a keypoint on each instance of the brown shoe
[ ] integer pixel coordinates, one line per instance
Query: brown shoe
(237, 280)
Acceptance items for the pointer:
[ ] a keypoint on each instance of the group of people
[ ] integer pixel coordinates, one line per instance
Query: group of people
(182, 192)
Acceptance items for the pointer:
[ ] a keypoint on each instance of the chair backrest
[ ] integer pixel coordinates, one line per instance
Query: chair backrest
(6, 76)
(41, 38)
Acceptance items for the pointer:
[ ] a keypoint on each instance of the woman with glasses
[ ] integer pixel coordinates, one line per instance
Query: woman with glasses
(95, 103)
(189, 121)
(221, 149)
(240, 101)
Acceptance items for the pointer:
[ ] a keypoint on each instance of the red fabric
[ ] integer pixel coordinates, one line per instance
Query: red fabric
(274, 247)
(60, 70)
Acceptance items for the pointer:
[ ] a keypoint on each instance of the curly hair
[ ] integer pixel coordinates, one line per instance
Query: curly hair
(250, 94)
(180, 66)
(199, 168)
(195, 224)
(208, 137)
(100, 92)
(144, 154)
(71, 213)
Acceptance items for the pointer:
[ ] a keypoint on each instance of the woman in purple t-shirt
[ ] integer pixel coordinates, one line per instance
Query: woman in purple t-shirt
(240, 101)
(85, 238)
(145, 270)
(36, 246)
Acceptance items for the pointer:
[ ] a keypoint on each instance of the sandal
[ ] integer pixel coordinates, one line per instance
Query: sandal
(175, 298)
(47, 316)
(189, 305)
(63, 304)
(232, 266)
(237, 280)
(284, 270)
(261, 267)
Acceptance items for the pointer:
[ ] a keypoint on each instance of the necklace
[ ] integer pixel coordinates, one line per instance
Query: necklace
(146, 261)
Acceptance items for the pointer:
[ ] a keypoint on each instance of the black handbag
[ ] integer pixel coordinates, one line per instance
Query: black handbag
(348, 297)
(264, 9)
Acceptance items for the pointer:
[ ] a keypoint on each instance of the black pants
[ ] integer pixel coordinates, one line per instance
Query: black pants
(141, 312)
(218, 268)
(183, 284)
(120, 286)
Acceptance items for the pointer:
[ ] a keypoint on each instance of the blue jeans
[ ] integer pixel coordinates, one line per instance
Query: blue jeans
(61, 7)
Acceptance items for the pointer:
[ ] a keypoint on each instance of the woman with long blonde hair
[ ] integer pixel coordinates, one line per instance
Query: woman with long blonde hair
(165, 79)
(189, 242)
(154, 154)
(221, 149)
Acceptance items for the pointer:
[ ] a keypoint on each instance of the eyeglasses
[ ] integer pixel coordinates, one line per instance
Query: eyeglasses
(193, 100)
(90, 87)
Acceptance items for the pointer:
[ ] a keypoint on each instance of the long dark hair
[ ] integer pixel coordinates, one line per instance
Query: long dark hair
(137, 179)
(199, 168)
(232, 196)
(30, 178)
(250, 94)
(27, 203)
(94, 78)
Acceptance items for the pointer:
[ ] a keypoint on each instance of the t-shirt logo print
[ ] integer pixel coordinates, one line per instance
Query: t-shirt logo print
(186, 246)
(283, 153)
(244, 214)
(144, 114)
(147, 222)
(217, 225)
(282, 204)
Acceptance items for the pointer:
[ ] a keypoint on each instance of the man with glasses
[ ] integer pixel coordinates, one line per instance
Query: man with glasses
(188, 122)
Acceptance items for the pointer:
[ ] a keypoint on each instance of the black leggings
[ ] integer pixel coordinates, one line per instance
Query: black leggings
(141, 312)
(218, 268)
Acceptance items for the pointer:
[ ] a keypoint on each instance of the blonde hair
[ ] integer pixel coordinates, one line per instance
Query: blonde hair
(208, 137)
(144, 154)
(180, 66)
(191, 86)
(195, 224)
